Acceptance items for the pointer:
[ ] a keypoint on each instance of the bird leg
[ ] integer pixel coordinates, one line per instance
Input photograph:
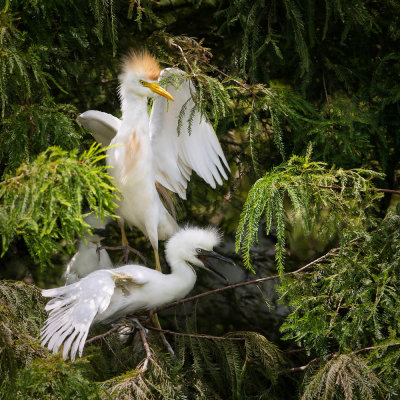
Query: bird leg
(156, 256)
(124, 239)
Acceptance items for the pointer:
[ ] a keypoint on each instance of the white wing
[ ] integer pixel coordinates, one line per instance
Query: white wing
(73, 309)
(175, 156)
(104, 126)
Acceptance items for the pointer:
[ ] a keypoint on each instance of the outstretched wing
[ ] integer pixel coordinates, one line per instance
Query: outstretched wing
(73, 310)
(175, 156)
(104, 126)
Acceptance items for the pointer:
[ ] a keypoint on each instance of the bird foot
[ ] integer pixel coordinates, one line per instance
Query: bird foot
(128, 326)
(127, 249)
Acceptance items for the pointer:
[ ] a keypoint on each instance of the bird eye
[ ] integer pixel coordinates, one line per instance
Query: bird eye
(199, 250)
(141, 82)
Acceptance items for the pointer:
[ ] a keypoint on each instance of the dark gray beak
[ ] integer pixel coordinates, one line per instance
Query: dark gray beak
(205, 254)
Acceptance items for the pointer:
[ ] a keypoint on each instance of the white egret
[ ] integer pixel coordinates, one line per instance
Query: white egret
(89, 256)
(153, 154)
(105, 295)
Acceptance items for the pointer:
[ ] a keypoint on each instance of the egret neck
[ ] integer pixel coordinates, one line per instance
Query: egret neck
(134, 112)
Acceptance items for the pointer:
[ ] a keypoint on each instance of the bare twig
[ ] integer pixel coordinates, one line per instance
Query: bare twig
(252, 282)
(200, 336)
(304, 367)
(103, 335)
(375, 347)
(146, 347)
(326, 92)
(300, 369)
(184, 57)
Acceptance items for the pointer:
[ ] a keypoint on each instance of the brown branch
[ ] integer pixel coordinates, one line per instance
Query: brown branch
(300, 369)
(103, 335)
(252, 282)
(184, 57)
(304, 367)
(375, 347)
(146, 347)
(200, 336)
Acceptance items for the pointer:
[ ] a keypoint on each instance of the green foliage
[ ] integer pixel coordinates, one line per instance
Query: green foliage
(343, 377)
(348, 303)
(21, 314)
(30, 130)
(217, 368)
(346, 194)
(43, 200)
(273, 77)
(50, 379)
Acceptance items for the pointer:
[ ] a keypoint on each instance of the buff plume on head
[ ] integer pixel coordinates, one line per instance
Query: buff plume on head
(143, 64)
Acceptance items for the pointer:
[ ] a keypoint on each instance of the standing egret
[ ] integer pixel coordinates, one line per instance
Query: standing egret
(152, 153)
(105, 295)
(89, 256)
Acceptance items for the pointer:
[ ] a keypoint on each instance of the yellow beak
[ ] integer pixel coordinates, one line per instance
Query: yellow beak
(156, 88)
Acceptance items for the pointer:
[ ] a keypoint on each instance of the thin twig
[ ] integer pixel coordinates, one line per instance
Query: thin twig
(200, 336)
(98, 337)
(304, 367)
(146, 347)
(299, 369)
(375, 347)
(252, 282)
(184, 57)
(326, 92)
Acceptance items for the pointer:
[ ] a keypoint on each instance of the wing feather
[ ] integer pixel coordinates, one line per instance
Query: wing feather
(73, 310)
(104, 126)
(175, 156)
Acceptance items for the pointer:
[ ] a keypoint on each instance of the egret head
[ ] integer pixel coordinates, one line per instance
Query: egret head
(195, 247)
(140, 73)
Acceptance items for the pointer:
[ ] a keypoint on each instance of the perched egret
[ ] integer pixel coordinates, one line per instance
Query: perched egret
(105, 295)
(89, 257)
(153, 156)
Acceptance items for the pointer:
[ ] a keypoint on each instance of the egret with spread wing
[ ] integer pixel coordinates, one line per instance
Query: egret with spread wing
(152, 153)
(105, 295)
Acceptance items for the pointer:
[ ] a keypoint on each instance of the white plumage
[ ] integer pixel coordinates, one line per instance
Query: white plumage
(149, 150)
(88, 258)
(105, 295)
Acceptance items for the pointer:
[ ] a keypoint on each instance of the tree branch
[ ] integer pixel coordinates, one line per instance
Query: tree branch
(184, 57)
(200, 336)
(103, 335)
(252, 282)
